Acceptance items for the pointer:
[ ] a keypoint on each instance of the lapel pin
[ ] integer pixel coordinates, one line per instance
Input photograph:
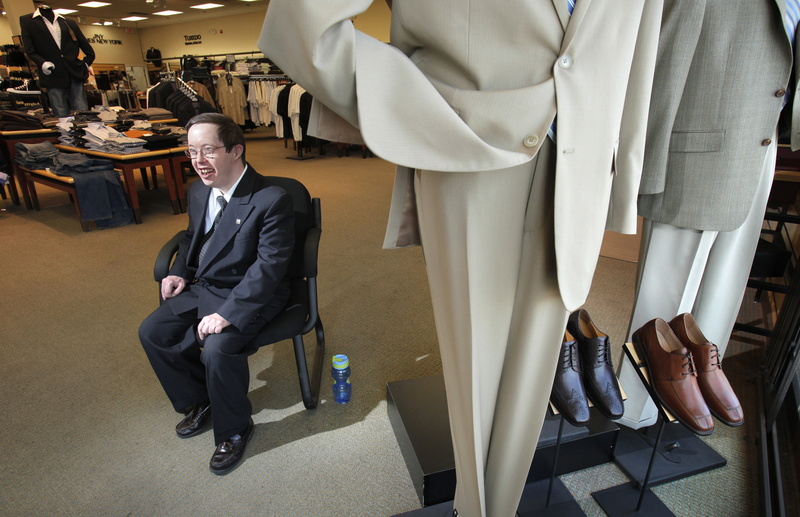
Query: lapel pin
(238, 221)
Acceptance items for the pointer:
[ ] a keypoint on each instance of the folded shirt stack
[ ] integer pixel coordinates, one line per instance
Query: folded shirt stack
(100, 137)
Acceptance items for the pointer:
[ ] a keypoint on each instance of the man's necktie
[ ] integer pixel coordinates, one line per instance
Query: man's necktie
(552, 131)
(206, 239)
(792, 17)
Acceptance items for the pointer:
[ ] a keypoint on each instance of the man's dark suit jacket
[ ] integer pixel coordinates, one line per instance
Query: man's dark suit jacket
(243, 272)
(41, 47)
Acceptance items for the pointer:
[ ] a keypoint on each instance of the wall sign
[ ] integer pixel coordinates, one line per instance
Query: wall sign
(99, 38)
(194, 39)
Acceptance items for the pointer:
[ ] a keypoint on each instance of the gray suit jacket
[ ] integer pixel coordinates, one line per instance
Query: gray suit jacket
(474, 86)
(719, 85)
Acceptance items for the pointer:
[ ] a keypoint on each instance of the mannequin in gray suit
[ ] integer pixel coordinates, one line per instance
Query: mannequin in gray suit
(719, 87)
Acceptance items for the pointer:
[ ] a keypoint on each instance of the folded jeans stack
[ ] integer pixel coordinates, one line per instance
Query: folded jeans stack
(35, 156)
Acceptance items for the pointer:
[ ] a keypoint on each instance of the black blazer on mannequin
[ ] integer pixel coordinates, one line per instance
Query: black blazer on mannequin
(41, 47)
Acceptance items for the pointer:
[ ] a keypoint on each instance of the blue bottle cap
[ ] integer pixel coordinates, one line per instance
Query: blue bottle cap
(340, 362)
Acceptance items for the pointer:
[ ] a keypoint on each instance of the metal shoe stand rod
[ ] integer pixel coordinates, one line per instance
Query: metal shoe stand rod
(626, 499)
(563, 504)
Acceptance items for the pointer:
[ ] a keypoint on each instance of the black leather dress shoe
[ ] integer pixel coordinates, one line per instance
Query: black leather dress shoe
(229, 452)
(195, 421)
(568, 394)
(598, 372)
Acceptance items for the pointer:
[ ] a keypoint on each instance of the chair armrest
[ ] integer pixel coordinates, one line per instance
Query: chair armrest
(311, 252)
(165, 256)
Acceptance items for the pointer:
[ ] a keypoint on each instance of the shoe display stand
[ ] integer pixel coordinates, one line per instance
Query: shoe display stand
(681, 454)
(417, 410)
(648, 464)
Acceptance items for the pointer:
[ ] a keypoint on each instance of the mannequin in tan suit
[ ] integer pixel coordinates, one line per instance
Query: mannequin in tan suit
(510, 222)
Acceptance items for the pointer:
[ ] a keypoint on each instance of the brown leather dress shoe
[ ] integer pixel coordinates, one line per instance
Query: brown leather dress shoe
(228, 453)
(672, 375)
(717, 392)
(598, 372)
(568, 394)
(195, 421)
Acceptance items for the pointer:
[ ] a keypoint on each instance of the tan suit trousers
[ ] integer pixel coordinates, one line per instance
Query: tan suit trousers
(489, 249)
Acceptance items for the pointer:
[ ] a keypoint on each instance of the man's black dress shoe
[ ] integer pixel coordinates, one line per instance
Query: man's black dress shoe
(229, 452)
(195, 421)
(568, 394)
(598, 373)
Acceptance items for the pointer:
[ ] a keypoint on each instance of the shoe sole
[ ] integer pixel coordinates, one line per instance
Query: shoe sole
(664, 406)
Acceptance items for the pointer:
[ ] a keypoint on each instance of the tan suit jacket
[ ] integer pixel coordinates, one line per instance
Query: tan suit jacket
(474, 86)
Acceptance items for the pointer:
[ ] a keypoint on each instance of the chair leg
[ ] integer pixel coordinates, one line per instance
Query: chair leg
(310, 386)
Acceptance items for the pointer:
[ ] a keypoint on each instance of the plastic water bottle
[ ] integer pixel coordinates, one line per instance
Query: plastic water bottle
(341, 374)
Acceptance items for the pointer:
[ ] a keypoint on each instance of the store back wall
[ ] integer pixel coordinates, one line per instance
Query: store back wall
(233, 34)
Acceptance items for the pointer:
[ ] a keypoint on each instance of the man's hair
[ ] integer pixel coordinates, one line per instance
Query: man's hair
(228, 131)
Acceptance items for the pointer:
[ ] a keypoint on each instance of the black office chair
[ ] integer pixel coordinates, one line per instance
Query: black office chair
(301, 314)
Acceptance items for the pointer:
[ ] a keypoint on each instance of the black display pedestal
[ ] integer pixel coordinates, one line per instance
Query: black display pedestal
(417, 409)
(531, 504)
(623, 500)
(680, 455)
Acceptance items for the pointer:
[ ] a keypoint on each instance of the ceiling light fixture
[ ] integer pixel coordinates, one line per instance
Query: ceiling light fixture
(94, 4)
(168, 13)
(134, 18)
(62, 11)
(206, 6)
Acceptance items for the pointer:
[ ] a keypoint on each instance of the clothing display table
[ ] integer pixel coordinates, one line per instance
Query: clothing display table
(129, 163)
(8, 141)
(63, 183)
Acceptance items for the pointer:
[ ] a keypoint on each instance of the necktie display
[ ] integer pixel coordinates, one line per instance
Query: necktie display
(207, 237)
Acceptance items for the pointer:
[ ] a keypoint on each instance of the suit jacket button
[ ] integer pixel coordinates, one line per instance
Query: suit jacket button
(531, 141)
(233, 271)
(766, 142)
(780, 93)
(565, 61)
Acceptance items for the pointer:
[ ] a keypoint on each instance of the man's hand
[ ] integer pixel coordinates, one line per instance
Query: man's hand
(172, 286)
(211, 324)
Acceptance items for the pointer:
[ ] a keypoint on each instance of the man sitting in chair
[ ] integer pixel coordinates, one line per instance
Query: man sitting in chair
(227, 281)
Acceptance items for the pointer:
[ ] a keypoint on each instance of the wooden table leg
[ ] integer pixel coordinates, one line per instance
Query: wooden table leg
(170, 179)
(130, 189)
(23, 185)
(176, 167)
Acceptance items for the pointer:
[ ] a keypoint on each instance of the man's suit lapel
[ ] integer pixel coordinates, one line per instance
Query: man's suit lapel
(571, 23)
(44, 34)
(234, 215)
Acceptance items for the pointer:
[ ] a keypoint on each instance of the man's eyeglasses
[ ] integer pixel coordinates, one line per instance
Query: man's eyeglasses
(207, 151)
